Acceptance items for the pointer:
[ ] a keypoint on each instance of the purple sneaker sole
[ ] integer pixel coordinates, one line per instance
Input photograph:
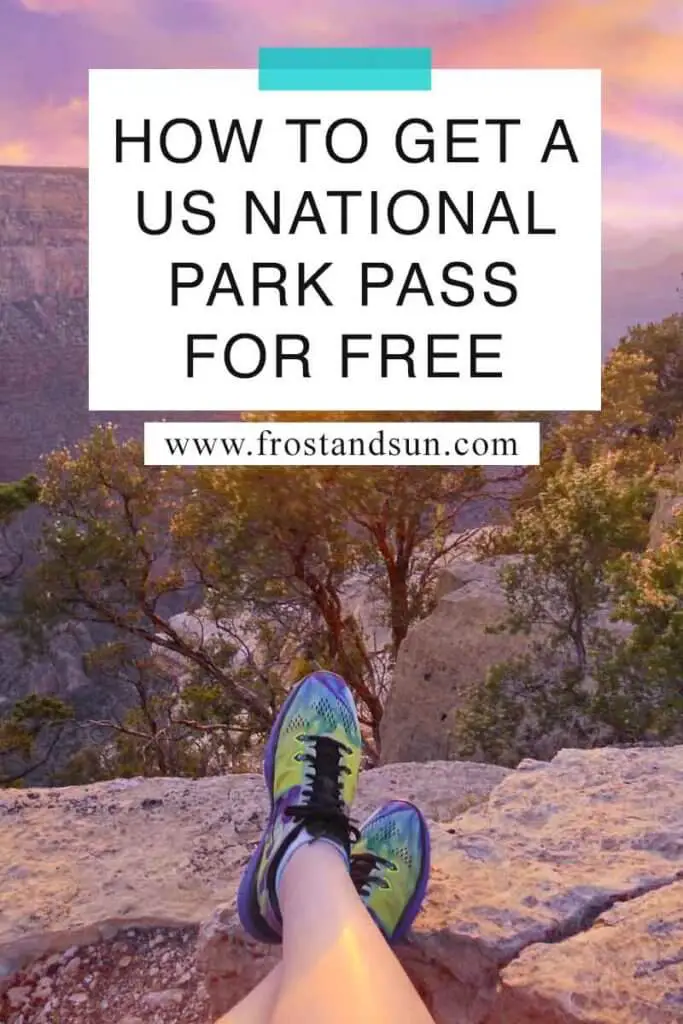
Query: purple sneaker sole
(247, 904)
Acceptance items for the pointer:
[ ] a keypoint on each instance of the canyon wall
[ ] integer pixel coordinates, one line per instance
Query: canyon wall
(44, 319)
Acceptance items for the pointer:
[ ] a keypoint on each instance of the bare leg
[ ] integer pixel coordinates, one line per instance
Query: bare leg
(258, 1006)
(336, 964)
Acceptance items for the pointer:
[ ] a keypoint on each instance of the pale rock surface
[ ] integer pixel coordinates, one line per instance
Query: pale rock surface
(556, 894)
(78, 863)
(442, 657)
(628, 967)
(558, 901)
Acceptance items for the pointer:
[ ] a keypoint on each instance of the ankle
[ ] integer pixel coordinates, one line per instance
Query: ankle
(320, 846)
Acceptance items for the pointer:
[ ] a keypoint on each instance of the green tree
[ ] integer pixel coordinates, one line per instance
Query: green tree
(14, 499)
(29, 735)
(662, 344)
(175, 722)
(108, 559)
(32, 727)
(315, 537)
(557, 590)
(167, 730)
(641, 418)
(619, 428)
(642, 682)
(263, 541)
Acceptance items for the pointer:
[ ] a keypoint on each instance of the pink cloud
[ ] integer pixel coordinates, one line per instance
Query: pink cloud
(637, 43)
(47, 135)
(58, 6)
(626, 38)
(17, 153)
(625, 117)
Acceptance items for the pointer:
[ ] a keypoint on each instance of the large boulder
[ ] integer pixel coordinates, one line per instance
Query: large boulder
(447, 655)
(556, 894)
(442, 657)
(78, 862)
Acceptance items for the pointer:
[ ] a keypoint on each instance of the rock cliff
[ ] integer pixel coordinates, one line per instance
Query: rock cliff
(451, 650)
(43, 233)
(442, 656)
(43, 313)
(44, 385)
(556, 895)
(44, 318)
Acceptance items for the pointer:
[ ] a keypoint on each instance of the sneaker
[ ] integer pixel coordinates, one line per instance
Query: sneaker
(311, 768)
(390, 866)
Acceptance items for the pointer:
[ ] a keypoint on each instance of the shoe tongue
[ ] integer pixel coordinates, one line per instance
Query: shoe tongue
(326, 791)
(334, 830)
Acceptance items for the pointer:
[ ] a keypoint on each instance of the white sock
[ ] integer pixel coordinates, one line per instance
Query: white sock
(305, 839)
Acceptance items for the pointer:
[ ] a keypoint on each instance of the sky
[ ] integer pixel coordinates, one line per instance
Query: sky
(47, 46)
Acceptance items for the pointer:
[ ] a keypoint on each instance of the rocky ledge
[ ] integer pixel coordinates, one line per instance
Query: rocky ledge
(556, 894)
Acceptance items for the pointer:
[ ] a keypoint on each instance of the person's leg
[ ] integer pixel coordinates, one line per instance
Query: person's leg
(388, 873)
(337, 966)
(296, 888)
(258, 1006)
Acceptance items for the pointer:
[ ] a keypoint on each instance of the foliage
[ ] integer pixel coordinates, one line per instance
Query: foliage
(28, 736)
(108, 554)
(641, 418)
(261, 542)
(14, 498)
(109, 560)
(31, 728)
(642, 681)
(568, 543)
(280, 556)
(662, 344)
(166, 732)
(585, 518)
(530, 706)
(581, 529)
(300, 567)
(312, 539)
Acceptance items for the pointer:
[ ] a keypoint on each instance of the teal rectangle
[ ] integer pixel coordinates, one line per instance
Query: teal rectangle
(367, 68)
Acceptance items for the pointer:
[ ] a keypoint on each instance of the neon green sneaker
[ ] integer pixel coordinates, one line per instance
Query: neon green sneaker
(390, 866)
(311, 768)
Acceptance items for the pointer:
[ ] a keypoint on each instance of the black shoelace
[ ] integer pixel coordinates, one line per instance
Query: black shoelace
(363, 868)
(324, 812)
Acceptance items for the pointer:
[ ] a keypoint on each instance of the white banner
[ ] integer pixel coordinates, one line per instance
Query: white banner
(345, 250)
(342, 444)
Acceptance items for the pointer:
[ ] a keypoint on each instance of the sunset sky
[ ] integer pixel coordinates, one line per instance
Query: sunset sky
(47, 46)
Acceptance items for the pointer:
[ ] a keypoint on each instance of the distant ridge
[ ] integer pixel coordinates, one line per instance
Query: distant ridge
(44, 319)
